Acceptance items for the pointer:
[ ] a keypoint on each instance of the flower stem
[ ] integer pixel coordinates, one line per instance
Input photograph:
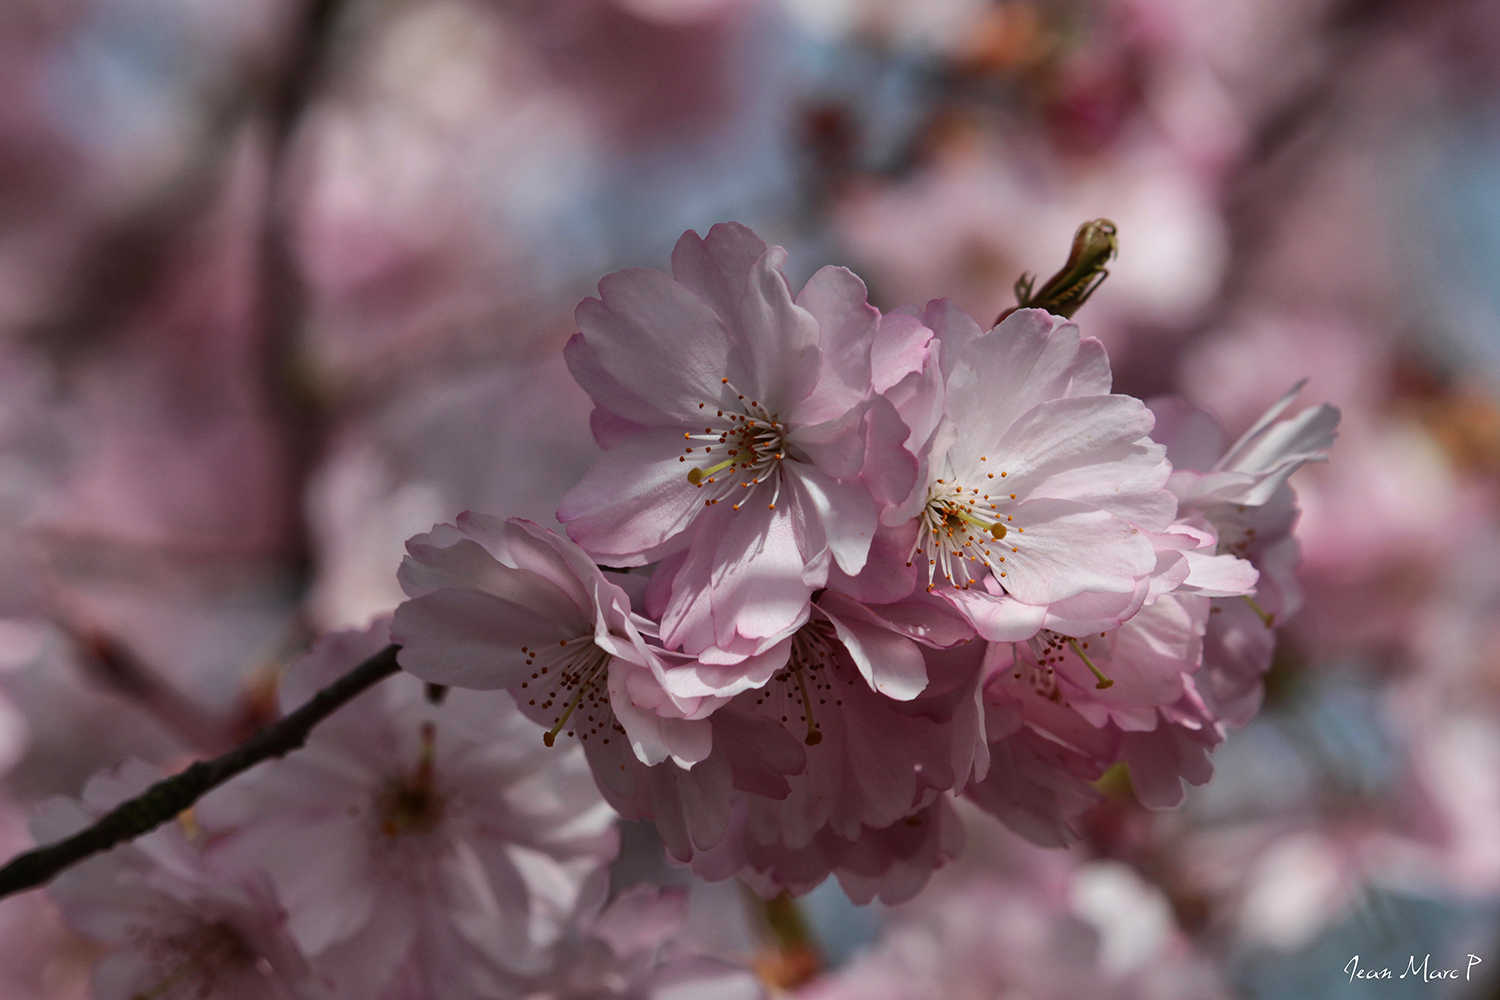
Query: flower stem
(170, 796)
(793, 956)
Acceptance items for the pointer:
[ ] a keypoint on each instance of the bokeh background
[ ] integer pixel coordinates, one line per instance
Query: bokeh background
(284, 282)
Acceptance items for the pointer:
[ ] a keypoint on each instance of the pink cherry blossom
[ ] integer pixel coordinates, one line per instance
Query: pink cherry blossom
(1243, 492)
(506, 604)
(438, 843)
(1061, 708)
(1039, 482)
(838, 765)
(734, 423)
(176, 927)
(632, 950)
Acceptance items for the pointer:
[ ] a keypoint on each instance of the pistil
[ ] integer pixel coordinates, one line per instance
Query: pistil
(1104, 682)
(947, 532)
(582, 673)
(755, 443)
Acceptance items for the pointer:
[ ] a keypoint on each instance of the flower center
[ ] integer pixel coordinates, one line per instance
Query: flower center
(206, 958)
(809, 677)
(739, 451)
(572, 674)
(960, 526)
(410, 803)
(1048, 649)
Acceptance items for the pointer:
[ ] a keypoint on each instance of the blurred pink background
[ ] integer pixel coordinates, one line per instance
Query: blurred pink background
(284, 282)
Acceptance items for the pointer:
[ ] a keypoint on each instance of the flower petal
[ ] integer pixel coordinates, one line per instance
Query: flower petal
(1028, 359)
(652, 737)
(634, 500)
(655, 350)
(1061, 549)
(471, 639)
(844, 511)
(889, 662)
(847, 325)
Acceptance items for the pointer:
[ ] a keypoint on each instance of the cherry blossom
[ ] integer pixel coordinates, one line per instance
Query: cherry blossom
(1242, 491)
(176, 925)
(439, 843)
(1039, 482)
(632, 950)
(506, 604)
(735, 422)
(1095, 929)
(838, 765)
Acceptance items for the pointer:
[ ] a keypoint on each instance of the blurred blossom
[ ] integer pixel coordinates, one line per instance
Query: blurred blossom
(513, 438)
(171, 925)
(435, 840)
(429, 181)
(1094, 929)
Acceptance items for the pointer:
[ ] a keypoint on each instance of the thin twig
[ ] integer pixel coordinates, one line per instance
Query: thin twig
(117, 667)
(169, 797)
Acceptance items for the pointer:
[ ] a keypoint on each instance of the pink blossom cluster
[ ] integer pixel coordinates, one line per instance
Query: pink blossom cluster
(834, 567)
(413, 849)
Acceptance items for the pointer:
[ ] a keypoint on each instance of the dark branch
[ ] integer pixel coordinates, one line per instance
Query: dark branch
(165, 799)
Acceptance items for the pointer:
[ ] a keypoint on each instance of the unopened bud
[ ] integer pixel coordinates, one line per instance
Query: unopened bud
(1094, 245)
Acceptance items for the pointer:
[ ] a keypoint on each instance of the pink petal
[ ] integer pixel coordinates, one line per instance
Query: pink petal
(777, 341)
(1074, 449)
(952, 326)
(652, 737)
(1027, 360)
(890, 468)
(1093, 612)
(843, 513)
(633, 500)
(890, 663)
(999, 618)
(758, 586)
(1219, 576)
(901, 347)
(715, 267)
(1063, 549)
(847, 324)
(836, 448)
(1194, 438)
(655, 350)
(741, 585)
(470, 639)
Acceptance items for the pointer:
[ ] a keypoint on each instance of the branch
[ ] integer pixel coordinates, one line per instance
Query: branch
(170, 796)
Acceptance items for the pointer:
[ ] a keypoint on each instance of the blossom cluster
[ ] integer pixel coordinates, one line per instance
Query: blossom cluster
(832, 572)
(412, 850)
(834, 567)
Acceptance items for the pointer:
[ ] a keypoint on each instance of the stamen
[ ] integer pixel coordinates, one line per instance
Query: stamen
(588, 672)
(220, 938)
(755, 441)
(813, 737)
(946, 535)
